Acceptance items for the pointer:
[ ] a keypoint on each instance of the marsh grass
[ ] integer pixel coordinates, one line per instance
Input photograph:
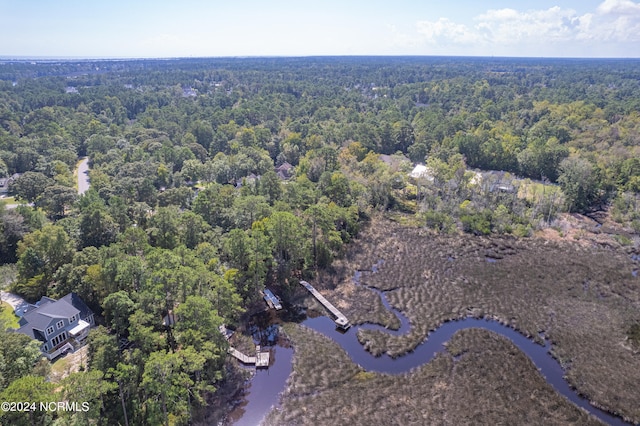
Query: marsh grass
(634, 334)
(583, 297)
(319, 363)
(491, 382)
(491, 373)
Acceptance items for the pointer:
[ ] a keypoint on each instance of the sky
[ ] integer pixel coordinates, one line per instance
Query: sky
(212, 28)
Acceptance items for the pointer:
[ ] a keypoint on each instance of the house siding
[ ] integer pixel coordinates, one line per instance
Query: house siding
(50, 321)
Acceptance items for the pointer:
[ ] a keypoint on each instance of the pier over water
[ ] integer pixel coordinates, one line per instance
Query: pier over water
(339, 318)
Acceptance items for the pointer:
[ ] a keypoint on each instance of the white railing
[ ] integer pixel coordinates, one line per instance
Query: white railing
(62, 349)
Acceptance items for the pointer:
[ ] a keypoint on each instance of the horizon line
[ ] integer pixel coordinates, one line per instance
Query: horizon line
(29, 58)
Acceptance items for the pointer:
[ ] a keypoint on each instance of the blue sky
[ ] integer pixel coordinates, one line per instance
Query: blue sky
(160, 28)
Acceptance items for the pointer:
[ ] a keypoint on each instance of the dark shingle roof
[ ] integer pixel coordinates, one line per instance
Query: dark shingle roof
(48, 311)
(60, 309)
(79, 304)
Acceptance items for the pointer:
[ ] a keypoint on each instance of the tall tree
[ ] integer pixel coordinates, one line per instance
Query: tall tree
(97, 227)
(579, 182)
(118, 307)
(30, 186)
(40, 254)
(90, 389)
(166, 386)
(288, 237)
(32, 389)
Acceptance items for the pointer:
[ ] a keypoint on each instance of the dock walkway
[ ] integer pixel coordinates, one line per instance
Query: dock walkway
(245, 359)
(340, 320)
(261, 360)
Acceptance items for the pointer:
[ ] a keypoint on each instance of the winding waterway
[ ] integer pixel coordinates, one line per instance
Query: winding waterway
(426, 351)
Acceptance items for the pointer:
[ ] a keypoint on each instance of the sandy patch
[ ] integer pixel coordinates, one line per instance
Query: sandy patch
(69, 363)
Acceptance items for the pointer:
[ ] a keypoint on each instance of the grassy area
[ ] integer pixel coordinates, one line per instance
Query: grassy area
(583, 296)
(60, 369)
(7, 317)
(533, 191)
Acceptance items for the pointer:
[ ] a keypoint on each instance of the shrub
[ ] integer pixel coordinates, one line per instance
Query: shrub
(437, 220)
(522, 231)
(477, 223)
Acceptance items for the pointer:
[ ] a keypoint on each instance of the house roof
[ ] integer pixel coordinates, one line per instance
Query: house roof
(284, 170)
(59, 309)
(285, 166)
(28, 308)
(421, 171)
(79, 304)
(6, 181)
(386, 158)
(282, 175)
(48, 311)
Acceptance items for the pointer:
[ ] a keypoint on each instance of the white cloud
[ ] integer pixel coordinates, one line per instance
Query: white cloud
(619, 7)
(508, 26)
(444, 30)
(617, 21)
(502, 31)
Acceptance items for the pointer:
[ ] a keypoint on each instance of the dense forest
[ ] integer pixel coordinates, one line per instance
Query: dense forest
(213, 178)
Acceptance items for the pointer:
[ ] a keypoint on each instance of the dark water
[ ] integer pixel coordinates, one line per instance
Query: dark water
(264, 391)
(267, 385)
(426, 351)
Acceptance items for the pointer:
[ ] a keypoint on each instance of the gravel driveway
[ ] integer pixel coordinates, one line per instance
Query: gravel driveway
(16, 302)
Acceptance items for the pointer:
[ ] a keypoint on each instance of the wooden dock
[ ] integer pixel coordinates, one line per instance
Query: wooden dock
(261, 360)
(340, 320)
(245, 359)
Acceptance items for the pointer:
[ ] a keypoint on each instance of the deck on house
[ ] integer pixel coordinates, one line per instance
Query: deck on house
(340, 320)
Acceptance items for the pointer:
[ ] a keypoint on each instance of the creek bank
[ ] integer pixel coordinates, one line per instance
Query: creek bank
(436, 342)
(425, 352)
